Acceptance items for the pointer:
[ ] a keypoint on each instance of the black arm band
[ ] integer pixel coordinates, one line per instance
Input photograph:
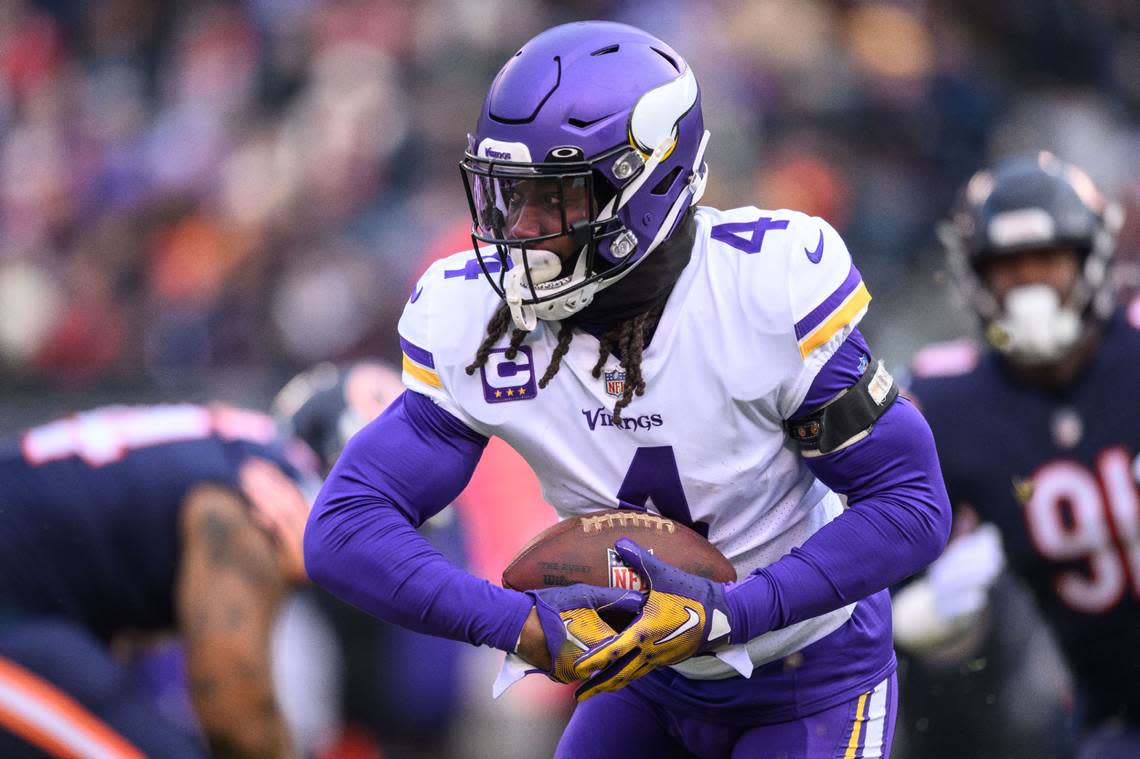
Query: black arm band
(847, 417)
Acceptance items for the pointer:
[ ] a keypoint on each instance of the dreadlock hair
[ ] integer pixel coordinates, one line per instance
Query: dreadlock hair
(627, 336)
(496, 328)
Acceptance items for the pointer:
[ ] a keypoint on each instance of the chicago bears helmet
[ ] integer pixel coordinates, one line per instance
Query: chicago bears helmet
(595, 108)
(1024, 204)
(326, 405)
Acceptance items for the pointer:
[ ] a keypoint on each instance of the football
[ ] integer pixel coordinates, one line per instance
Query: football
(581, 549)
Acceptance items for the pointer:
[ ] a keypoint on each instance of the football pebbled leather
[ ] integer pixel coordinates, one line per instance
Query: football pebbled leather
(581, 549)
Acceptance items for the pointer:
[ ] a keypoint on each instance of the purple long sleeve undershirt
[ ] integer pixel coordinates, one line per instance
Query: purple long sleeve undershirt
(361, 543)
(896, 522)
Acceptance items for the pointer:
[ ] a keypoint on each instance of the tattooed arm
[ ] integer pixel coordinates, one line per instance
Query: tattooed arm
(229, 588)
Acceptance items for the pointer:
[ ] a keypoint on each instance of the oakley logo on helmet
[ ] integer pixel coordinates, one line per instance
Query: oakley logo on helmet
(569, 153)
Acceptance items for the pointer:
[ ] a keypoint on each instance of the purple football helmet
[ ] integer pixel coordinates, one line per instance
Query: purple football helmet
(600, 125)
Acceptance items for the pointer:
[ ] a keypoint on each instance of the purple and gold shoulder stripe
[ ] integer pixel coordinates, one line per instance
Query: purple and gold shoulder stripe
(419, 363)
(833, 314)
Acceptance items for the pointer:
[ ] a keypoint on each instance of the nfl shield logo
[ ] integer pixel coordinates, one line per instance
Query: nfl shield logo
(622, 576)
(615, 383)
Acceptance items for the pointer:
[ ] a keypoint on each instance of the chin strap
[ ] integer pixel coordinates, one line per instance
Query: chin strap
(543, 266)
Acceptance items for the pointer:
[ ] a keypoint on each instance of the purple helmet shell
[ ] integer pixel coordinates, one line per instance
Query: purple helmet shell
(600, 96)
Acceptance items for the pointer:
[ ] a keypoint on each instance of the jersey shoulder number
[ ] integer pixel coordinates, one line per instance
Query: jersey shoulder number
(443, 322)
(796, 273)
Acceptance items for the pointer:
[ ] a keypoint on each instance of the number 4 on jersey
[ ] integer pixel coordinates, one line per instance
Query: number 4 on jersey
(732, 233)
(653, 475)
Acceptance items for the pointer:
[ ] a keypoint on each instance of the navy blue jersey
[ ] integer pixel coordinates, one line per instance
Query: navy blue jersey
(1057, 472)
(90, 505)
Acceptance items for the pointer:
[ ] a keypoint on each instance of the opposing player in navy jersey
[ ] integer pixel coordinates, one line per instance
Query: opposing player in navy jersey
(144, 520)
(1039, 434)
(641, 352)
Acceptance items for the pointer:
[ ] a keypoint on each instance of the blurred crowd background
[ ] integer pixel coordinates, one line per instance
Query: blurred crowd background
(198, 199)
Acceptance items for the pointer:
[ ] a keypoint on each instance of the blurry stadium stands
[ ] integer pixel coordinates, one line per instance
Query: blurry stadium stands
(200, 199)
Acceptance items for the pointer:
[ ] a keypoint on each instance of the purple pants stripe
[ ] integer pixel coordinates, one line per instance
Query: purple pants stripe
(625, 725)
(869, 723)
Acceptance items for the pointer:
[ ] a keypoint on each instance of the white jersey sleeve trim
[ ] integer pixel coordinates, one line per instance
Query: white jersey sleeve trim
(420, 371)
(828, 299)
(792, 396)
(827, 291)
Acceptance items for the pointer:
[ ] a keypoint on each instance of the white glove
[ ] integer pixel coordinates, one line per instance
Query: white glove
(962, 576)
(944, 604)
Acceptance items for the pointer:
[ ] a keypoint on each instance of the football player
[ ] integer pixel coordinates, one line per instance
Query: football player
(131, 521)
(1038, 432)
(643, 353)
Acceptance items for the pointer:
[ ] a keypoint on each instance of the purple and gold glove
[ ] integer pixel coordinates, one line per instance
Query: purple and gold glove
(570, 622)
(683, 615)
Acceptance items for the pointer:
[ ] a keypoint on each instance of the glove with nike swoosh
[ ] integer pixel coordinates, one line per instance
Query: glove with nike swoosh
(684, 615)
(571, 624)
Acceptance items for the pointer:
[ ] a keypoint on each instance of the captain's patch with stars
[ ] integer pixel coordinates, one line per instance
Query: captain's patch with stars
(507, 379)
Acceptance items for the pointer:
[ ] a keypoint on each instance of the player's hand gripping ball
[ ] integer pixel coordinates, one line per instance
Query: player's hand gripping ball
(581, 550)
(684, 615)
(571, 623)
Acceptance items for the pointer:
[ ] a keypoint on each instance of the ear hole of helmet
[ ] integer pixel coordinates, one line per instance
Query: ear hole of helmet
(667, 182)
(604, 190)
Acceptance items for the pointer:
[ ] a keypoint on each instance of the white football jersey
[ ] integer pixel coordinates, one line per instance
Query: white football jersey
(766, 299)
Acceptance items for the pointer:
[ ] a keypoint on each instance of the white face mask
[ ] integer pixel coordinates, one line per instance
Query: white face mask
(1034, 329)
